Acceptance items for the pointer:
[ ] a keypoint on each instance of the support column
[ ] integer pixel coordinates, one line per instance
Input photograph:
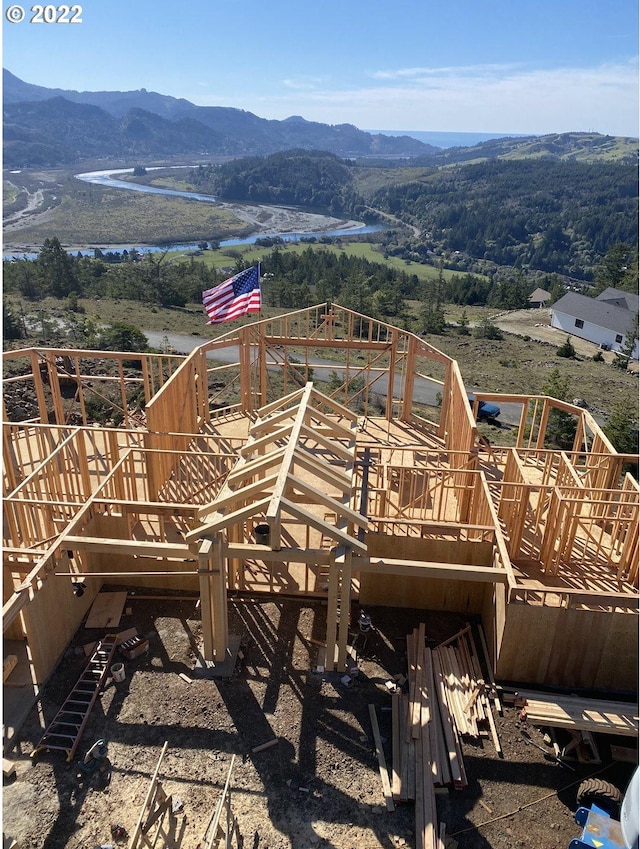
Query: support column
(345, 609)
(213, 599)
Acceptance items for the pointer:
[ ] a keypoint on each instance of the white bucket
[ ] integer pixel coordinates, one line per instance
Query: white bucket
(117, 671)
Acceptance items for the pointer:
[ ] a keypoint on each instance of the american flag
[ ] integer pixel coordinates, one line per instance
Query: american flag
(235, 297)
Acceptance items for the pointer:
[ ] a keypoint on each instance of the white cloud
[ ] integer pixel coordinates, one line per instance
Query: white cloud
(484, 98)
(304, 83)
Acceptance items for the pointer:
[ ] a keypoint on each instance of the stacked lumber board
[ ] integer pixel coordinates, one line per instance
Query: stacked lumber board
(446, 697)
(468, 694)
(583, 714)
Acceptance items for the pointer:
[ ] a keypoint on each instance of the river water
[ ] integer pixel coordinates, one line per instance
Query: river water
(107, 178)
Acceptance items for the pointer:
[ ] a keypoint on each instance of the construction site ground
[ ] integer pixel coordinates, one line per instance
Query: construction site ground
(319, 785)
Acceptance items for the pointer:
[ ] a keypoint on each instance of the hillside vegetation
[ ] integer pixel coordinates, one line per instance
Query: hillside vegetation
(544, 215)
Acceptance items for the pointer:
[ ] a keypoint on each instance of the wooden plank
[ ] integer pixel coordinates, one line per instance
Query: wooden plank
(417, 702)
(404, 750)
(493, 729)
(411, 675)
(148, 803)
(8, 665)
(624, 754)
(106, 610)
(384, 775)
(396, 776)
(448, 722)
(431, 717)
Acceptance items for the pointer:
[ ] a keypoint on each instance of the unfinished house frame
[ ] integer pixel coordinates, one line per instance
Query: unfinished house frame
(246, 468)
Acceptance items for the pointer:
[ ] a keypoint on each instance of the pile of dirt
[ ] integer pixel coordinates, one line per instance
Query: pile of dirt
(318, 786)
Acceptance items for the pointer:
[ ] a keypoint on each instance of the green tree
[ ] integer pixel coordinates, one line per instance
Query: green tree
(11, 324)
(463, 324)
(56, 269)
(614, 269)
(121, 336)
(561, 426)
(566, 350)
(432, 320)
(621, 427)
(623, 356)
(486, 329)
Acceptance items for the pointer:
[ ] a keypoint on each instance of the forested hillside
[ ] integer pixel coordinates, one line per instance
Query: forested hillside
(312, 179)
(535, 214)
(544, 215)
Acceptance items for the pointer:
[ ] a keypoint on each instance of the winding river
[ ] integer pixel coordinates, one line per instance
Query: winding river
(110, 178)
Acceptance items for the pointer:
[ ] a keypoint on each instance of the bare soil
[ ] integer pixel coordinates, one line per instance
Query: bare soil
(319, 786)
(536, 324)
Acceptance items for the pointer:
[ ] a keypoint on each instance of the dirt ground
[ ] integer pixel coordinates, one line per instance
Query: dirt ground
(537, 325)
(319, 786)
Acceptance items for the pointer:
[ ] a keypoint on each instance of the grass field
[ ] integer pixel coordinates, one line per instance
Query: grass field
(111, 217)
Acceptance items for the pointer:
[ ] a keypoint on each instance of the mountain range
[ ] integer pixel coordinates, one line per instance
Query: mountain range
(46, 127)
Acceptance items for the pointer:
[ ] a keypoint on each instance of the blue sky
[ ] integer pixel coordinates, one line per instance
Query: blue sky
(453, 65)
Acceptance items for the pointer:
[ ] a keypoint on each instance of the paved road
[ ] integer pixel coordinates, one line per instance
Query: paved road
(425, 390)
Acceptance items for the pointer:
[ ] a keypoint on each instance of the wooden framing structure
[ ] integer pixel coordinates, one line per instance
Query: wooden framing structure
(363, 494)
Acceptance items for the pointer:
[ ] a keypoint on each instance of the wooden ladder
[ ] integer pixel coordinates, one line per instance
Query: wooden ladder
(65, 730)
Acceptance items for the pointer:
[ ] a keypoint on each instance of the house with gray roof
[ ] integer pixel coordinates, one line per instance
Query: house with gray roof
(605, 320)
(539, 298)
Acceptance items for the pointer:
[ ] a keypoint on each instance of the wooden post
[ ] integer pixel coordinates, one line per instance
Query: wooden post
(345, 609)
(37, 382)
(332, 612)
(409, 380)
(219, 586)
(206, 606)
(391, 374)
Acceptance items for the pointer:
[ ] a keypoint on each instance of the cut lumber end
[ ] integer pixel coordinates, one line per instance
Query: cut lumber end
(8, 768)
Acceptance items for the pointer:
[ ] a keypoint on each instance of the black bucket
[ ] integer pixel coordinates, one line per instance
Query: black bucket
(261, 534)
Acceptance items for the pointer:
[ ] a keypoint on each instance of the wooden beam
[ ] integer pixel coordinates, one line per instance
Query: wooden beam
(419, 569)
(382, 765)
(334, 477)
(330, 445)
(329, 530)
(224, 521)
(251, 490)
(254, 445)
(273, 509)
(246, 551)
(142, 548)
(318, 497)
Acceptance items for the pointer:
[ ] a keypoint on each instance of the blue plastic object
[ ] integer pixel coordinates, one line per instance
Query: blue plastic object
(599, 831)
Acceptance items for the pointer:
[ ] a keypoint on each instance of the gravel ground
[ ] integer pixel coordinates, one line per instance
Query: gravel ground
(319, 786)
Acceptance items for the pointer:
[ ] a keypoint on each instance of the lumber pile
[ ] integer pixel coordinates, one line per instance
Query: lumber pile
(583, 714)
(468, 695)
(445, 698)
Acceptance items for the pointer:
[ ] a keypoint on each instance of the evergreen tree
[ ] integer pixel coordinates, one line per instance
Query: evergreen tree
(561, 426)
(56, 269)
(623, 356)
(621, 427)
(11, 324)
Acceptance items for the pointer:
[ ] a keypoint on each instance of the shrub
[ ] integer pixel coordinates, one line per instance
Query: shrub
(567, 350)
